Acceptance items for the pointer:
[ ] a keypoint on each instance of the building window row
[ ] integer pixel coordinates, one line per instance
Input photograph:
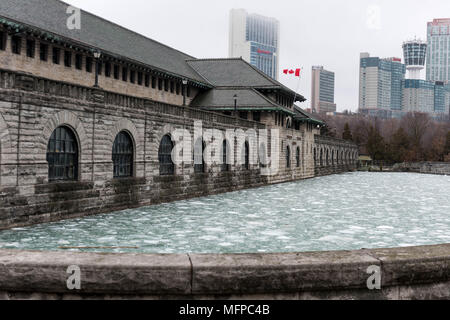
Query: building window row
(326, 158)
(110, 70)
(284, 101)
(63, 156)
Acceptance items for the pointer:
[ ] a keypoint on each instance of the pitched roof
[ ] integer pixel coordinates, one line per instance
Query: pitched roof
(302, 115)
(98, 33)
(236, 72)
(51, 16)
(233, 72)
(223, 99)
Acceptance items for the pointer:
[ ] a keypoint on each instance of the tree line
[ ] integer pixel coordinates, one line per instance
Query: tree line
(415, 137)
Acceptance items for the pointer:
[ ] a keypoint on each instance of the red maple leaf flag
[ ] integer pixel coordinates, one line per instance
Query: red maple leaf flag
(295, 72)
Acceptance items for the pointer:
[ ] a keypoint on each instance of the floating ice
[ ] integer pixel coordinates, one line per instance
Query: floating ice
(340, 212)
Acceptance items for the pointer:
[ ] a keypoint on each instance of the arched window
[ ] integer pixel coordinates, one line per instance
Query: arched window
(337, 157)
(321, 157)
(326, 159)
(246, 156)
(288, 157)
(298, 157)
(122, 155)
(199, 160)
(225, 164)
(62, 155)
(166, 165)
(315, 157)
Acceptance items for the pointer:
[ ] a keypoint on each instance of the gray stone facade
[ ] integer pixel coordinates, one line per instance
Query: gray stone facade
(145, 90)
(31, 108)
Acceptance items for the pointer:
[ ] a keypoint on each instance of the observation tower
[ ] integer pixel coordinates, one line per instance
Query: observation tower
(415, 52)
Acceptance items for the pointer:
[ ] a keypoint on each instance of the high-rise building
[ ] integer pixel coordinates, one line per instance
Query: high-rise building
(438, 57)
(322, 90)
(380, 85)
(255, 38)
(426, 96)
(418, 96)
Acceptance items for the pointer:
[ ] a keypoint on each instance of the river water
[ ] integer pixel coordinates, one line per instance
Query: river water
(339, 212)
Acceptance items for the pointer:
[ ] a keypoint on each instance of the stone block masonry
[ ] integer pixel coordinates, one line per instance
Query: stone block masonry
(31, 108)
(402, 273)
(441, 168)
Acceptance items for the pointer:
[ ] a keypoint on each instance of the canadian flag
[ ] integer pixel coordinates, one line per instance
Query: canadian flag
(292, 71)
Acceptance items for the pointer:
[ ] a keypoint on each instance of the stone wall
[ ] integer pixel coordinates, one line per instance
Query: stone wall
(442, 168)
(31, 108)
(404, 273)
(333, 155)
(59, 72)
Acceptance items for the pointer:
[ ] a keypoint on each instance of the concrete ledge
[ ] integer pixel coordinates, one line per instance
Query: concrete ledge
(406, 273)
(286, 273)
(119, 274)
(439, 168)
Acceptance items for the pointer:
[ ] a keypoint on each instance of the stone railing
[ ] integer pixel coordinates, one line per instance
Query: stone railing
(400, 273)
(442, 168)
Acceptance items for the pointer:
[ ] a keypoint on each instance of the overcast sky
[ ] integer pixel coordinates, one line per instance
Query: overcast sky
(331, 33)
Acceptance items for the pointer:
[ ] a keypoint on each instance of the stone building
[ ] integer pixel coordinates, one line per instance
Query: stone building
(88, 116)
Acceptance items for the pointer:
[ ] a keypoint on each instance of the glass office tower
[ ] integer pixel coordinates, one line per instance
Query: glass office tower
(255, 38)
(380, 85)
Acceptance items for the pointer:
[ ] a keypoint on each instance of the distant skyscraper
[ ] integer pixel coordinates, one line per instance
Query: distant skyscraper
(438, 57)
(380, 85)
(415, 52)
(322, 90)
(256, 39)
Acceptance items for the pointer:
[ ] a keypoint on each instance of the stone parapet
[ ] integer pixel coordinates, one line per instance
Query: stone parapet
(406, 273)
(441, 168)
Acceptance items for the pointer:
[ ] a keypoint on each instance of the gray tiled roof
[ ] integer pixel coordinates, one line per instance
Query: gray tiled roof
(96, 32)
(235, 72)
(223, 99)
(51, 16)
(230, 73)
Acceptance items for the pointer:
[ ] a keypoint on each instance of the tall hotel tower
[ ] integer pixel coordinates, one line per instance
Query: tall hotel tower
(256, 39)
(438, 57)
(380, 85)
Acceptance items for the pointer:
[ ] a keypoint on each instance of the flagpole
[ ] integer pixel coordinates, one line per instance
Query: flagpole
(298, 85)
